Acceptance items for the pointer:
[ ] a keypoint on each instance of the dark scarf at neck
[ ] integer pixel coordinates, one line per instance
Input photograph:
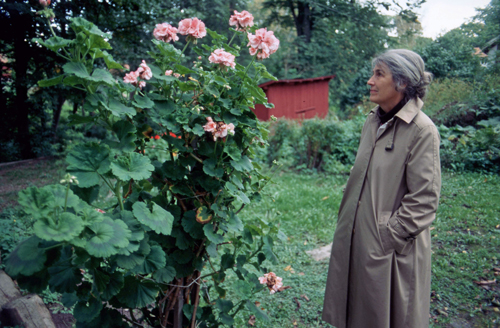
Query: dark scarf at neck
(384, 117)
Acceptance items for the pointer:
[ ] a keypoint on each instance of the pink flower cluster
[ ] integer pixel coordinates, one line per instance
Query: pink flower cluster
(165, 32)
(219, 56)
(218, 129)
(241, 20)
(143, 73)
(263, 43)
(193, 27)
(45, 3)
(169, 72)
(273, 282)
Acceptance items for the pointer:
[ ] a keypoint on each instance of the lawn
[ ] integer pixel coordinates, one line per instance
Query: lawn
(466, 243)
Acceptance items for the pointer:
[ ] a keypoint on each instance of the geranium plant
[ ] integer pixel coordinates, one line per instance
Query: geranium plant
(178, 164)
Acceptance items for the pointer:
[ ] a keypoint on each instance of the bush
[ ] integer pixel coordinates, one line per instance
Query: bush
(318, 144)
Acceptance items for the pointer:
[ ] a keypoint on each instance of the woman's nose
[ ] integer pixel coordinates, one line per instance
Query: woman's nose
(370, 81)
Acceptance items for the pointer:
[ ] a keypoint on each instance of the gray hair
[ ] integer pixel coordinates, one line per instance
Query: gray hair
(408, 72)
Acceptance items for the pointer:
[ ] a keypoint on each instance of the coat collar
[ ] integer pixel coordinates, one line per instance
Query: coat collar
(409, 111)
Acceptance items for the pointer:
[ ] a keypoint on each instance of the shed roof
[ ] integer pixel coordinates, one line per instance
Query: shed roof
(267, 84)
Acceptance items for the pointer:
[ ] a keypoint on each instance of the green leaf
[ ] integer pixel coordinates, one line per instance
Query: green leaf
(64, 277)
(243, 165)
(78, 119)
(268, 249)
(101, 279)
(88, 195)
(118, 109)
(36, 202)
(227, 261)
(54, 43)
(143, 102)
(87, 162)
(137, 294)
(164, 275)
(27, 258)
(108, 59)
(69, 299)
(107, 318)
(50, 82)
(125, 132)
(234, 223)
(224, 306)
(155, 260)
(212, 250)
(77, 69)
(79, 24)
(220, 80)
(101, 75)
(66, 227)
(137, 232)
(108, 235)
(211, 235)
(212, 89)
(132, 166)
(242, 288)
(259, 314)
(59, 192)
(159, 219)
(227, 319)
(114, 286)
(86, 311)
(209, 167)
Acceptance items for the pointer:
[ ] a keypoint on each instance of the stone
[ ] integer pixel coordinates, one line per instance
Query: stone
(28, 311)
(321, 253)
(8, 289)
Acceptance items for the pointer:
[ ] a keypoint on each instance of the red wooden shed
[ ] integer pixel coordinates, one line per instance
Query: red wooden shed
(295, 99)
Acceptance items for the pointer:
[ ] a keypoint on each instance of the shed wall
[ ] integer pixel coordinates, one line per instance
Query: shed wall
(295, 100)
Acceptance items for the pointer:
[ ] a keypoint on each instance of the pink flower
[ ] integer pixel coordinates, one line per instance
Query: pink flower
(165, 32)
(219, 56)
(132, 79)
(210, 126)
(199, 57)
(221, 131)
(193, 27)
(263, 43)
(168, 72)
(241, 20)
(177, 74)
(273, 282)
(45, 3)
(145, 71)
(230, 128)
(99, 210)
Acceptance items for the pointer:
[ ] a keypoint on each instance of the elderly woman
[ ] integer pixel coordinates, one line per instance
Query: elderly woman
(380, 267)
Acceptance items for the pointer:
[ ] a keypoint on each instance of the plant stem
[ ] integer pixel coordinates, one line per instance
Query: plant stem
(232, 38)
(54, 34)
(66, 197)
(118, 194)
(246, 70)
(185, 47)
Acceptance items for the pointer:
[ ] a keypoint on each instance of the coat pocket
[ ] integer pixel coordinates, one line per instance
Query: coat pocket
(383, 230)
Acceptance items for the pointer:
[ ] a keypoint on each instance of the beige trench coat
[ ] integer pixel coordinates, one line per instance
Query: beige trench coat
(380, 270)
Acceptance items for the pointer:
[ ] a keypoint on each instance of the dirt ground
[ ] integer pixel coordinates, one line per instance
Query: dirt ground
(37, 172)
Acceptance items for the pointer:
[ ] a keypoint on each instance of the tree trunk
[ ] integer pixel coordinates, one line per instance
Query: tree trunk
(21, 107)
(302, 19)
(57, 113)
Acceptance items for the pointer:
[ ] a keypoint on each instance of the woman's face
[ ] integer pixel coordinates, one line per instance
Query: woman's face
(382, 88)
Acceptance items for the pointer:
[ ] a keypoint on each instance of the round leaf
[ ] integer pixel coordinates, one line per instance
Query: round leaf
(159, 220)
(132, 166)
(26, 258)
(108, 236)
(66, 227)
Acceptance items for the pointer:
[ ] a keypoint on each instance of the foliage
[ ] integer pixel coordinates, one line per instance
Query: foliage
(317, 144)
(175, 190)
